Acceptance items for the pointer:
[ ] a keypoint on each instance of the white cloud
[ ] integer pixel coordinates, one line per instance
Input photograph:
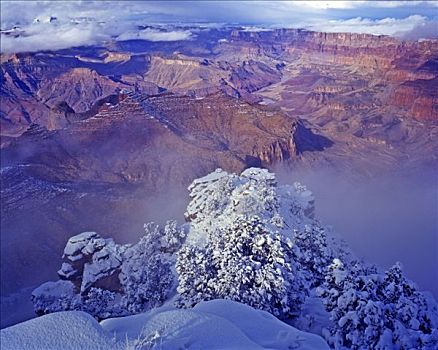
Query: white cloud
(328, 4)
(256, 29)
(156, 35)
(423, 30)
(47, 36)
(386, 26)
(91, 22)
(41, 36)
(334, 4)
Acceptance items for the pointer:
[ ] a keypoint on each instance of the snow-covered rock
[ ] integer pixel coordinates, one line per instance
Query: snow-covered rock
(106, 279)
(89, 258)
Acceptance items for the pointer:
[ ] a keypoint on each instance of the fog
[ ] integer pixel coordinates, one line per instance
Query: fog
(384, 219)
(31, 254)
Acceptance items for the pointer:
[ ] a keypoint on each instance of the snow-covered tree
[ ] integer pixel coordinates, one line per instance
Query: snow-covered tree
(312, 251)
(244, 262)
(146, 274)
(415, 315)
(172, 237)
(196, 272)
(146, 283)
(372, 311)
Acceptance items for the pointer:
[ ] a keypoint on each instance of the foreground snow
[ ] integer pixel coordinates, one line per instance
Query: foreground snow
(216, 324)
(68, 330)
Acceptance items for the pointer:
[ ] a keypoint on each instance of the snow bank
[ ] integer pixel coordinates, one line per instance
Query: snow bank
(216, 324)
(262, 327)
(69, 330)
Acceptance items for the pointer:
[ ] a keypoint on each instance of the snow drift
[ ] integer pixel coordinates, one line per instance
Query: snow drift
(218, 324)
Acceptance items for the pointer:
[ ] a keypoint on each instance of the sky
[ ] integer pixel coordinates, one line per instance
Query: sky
(90, 22)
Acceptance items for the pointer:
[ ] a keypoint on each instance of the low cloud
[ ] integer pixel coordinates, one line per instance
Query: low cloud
(156, 35)
(423, 30)
(256, 29)
(404, 27)
(92, 22)
(46, 36)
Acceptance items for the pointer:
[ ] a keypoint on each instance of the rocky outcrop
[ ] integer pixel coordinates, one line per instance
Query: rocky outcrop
(183, 74)
(107, 279)
(90, 260)
(117, 57)
(180, 61)
(19, 105)
(252, 76)
(276, 152)
(80, 88)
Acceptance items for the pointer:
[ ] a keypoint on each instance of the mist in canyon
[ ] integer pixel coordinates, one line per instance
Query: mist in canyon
(384, 219)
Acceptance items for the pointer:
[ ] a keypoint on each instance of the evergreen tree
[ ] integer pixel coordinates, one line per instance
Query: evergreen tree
(371, 311)
(146, 274)
(244, 262)
(312, 252)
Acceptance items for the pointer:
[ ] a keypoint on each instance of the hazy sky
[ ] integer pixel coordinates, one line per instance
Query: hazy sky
(90, 22)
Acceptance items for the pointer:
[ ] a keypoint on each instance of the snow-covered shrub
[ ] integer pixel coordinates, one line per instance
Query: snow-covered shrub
(372, 311)
(415, 314)
(146, 274)
(244, 262)
(100, 303)
(195, 273)
(55, 296)
(312, 251)
(147, 280)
